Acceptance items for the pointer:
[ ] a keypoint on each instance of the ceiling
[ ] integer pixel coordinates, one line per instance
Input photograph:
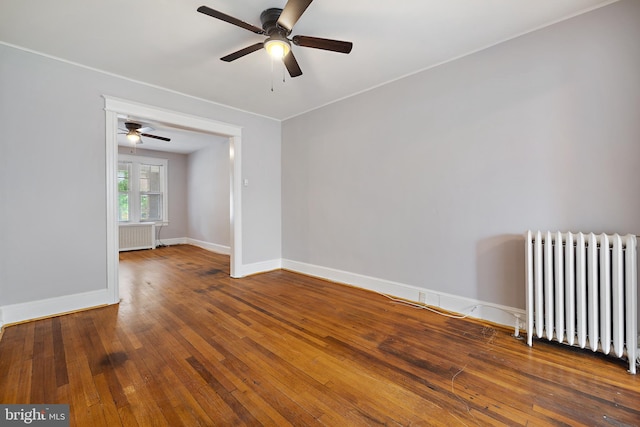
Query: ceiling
(168, 44)
(183, 140)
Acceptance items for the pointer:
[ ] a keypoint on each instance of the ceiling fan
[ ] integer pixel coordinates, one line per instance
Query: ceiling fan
(135, 132)
(277, 25)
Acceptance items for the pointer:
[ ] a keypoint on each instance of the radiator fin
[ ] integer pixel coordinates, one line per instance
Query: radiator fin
(137, 236)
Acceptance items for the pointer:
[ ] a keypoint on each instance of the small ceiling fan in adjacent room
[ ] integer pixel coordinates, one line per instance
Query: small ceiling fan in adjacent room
(135, 132)
(277, 25)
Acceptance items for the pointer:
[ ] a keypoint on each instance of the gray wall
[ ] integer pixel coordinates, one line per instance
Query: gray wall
(208, 194)
(52, 174)
(432, 180)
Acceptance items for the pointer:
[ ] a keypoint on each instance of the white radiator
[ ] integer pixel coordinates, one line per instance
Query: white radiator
(137, 236)
(582, 290)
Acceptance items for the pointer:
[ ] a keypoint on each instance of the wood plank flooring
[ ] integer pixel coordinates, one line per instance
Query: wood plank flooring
(188, 346)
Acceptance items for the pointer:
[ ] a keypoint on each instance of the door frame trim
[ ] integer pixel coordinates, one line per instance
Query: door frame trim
(115, 106)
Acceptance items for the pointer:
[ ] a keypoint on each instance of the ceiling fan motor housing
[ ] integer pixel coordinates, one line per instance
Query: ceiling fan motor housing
(269, 20)
(131, 126)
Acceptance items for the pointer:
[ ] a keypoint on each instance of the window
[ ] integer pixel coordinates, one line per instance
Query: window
(142, 189)
(124, 176)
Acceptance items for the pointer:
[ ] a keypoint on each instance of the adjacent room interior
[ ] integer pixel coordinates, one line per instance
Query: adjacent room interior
(191, 188)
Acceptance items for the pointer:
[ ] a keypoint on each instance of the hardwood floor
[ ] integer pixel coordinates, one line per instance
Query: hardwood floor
(189, 346)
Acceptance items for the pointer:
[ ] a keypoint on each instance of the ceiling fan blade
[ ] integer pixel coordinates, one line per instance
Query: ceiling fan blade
(242, 52)
(292, 11)
(326, 44)
(230, 19)
(148, 135)
(292, 65)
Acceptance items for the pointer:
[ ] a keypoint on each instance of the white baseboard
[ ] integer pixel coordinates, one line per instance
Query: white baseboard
(21, 312)
(245, 269)
(213, 247)
(172, 241)
(495, 313)
(260, 267)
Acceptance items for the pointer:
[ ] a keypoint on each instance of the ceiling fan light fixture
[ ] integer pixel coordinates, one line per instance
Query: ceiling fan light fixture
(133, 137)
(277, 47)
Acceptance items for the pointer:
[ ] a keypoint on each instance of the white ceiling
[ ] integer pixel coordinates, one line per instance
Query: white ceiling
(183, 141)
(168, 44)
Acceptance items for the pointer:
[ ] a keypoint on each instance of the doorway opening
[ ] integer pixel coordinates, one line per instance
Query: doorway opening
(115, 107)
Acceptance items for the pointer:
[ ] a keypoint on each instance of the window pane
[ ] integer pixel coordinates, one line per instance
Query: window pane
(123, 207)
(124, 174)
(150, 178)
(150, 207)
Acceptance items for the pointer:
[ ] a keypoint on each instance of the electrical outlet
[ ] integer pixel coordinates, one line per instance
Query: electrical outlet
(422, 297)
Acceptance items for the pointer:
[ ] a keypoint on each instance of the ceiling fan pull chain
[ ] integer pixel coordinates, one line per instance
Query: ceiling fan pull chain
(272, 71)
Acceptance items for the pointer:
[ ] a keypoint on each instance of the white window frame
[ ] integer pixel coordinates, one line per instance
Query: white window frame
(134, 186)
